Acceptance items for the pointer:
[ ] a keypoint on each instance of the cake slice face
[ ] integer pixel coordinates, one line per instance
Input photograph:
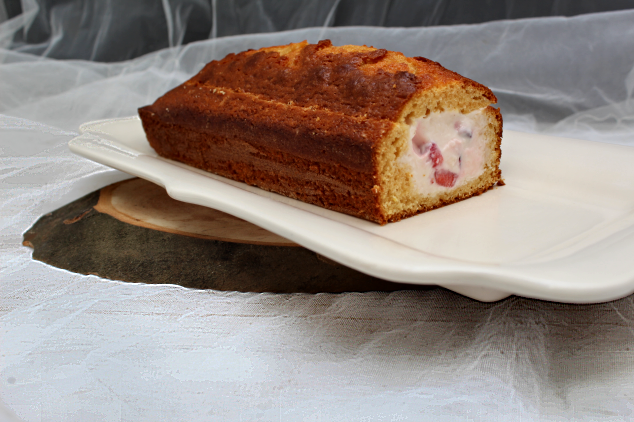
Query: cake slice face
(445, 156)
(355, 129)
(447, 149)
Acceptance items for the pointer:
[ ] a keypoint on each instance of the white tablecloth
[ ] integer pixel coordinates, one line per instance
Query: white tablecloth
(81, 348)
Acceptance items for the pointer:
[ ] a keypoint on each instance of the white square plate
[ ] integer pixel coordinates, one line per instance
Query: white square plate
(561, 229)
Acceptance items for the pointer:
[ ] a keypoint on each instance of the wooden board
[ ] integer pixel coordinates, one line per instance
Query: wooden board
(133, 231)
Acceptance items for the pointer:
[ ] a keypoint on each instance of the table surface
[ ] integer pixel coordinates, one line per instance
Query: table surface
(81, 348)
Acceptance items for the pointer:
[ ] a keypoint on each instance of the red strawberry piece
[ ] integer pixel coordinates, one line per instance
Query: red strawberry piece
(445, 178)
(435, 155)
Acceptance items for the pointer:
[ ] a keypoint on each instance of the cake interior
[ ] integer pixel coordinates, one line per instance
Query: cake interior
(439, 155)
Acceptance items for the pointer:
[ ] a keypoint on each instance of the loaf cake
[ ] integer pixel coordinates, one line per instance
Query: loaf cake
(355, 129)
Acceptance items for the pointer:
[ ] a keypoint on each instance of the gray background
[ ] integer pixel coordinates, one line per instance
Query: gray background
(115, 30)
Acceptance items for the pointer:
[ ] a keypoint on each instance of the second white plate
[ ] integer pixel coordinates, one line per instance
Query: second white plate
(562, 228)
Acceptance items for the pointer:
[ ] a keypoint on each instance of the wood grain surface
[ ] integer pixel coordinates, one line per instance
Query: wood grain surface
(133, 231)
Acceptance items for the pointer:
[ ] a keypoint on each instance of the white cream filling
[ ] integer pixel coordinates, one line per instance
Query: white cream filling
(446, 150)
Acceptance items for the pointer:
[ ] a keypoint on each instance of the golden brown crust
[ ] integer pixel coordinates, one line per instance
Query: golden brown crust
(352, 80)
(323, 184)
(303, 120)
(333, 137)
(491, 177)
